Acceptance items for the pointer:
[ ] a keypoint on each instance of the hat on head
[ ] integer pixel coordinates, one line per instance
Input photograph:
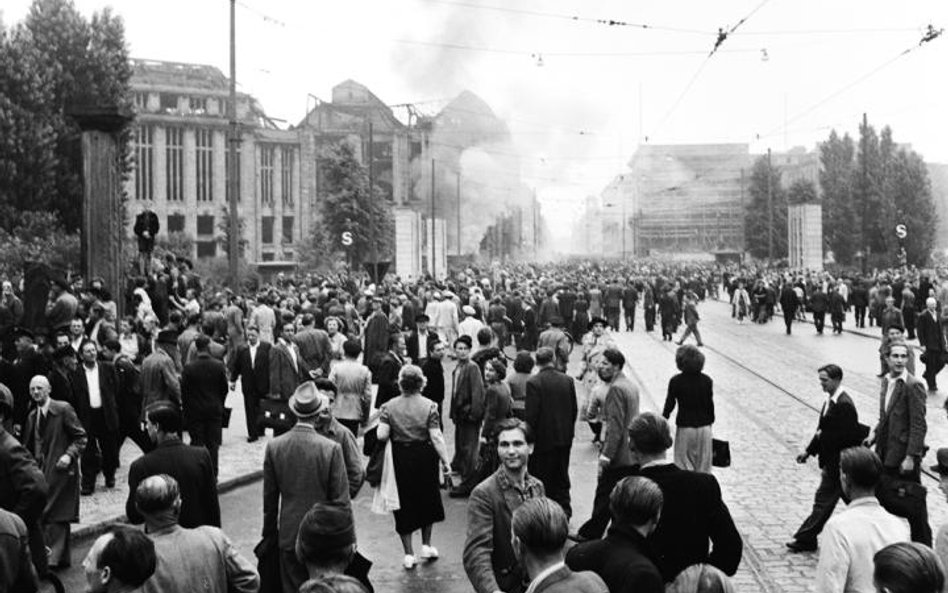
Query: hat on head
(22, 332)
(596, 320)
(167, 336)
(556, 321)
(306, 401)
(941, 456)
(468, 310)
(421, 318)
(326, 527)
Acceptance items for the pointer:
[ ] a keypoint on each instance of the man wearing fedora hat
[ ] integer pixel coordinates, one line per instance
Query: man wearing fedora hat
(160, 381)
(62, 305)
(326, 543)
(289, 493)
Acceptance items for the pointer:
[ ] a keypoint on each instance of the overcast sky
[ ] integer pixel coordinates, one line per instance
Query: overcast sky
(784, 77)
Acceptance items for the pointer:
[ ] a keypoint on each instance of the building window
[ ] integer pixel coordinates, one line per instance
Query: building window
(266, 230)
(266, 174)
(141, 101)
(227, 173)
(206, 248)
(176, 223)
(143, 138)
(205, 224)
(266, 256)
(174, 164)
(197, 105)
(287, 229)
(204, 164)
(168, 102)
(286, 175)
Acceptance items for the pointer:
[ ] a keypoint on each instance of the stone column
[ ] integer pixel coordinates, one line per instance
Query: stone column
(103, 232)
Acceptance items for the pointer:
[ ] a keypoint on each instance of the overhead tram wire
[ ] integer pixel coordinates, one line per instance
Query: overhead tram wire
(722, 37)
(930, 35)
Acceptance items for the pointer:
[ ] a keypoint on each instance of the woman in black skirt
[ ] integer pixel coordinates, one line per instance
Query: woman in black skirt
(411, 421)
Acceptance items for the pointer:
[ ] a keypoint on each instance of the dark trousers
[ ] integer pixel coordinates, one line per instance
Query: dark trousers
(292, 573)
(132, 429)
(649, 314)
(819, 320)
(934, 363)
(251, 411)
(918, 516)
(597, 523)
(612, 316)
(466, 448)
(552, 468)
(827, 495)
(860, 312)
(596, 428)
(101, 452)
(788, 315)
(630, 318)
(691, 329)
(206, 432)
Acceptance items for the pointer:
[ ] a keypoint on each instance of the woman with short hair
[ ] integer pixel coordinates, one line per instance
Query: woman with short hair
(693, 392)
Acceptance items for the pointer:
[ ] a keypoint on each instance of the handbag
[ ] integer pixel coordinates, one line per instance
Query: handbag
(275, 414)
(373, 471)
(720, 453)
(385, 499)
(225, 418)
(902, 498)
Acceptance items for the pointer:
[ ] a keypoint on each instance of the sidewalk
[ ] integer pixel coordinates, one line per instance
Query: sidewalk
(240, 462)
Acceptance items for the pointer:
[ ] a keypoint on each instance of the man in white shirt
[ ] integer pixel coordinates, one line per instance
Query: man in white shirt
(95, 387)
(851, 538)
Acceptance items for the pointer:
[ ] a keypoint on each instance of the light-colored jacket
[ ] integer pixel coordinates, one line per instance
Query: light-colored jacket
(200, 559)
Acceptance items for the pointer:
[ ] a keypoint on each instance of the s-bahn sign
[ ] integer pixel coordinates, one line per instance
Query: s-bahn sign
(900, 231)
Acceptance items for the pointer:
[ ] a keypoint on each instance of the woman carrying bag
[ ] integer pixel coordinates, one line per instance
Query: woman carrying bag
(411, 422)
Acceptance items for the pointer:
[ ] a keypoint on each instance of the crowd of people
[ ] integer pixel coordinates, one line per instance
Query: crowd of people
(354, 379)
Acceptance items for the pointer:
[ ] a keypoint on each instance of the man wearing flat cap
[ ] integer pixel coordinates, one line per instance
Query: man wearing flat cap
(420, 340)
(288, 492)
(326, 543)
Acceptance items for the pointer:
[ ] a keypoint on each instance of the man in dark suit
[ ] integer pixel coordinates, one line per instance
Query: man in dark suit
(819, 304)
(314, 346)
(420, 340)
(838, 428)
(191, 466)
(288, 492)
(95, 388)
(551, 411)
(540, 528)
(434, 375)
(899, 437)
(203, 392)
(287, 367)
(388, 367)
(252, 365)
(931, 338)
(56, 438)
(789, 304)
(28, 363)
(622, 558)
(694, 517)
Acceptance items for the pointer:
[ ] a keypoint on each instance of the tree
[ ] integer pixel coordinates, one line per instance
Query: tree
(316, 252)
(349, 206)
(911, 194)
(223, 233)
(52, 61)
(802, 191)
(757, 212)
(38, 237)
(841, 222)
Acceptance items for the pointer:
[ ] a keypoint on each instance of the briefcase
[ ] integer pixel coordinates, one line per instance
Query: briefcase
(902, 498)
(225, 417)
(720, 453)
(275, 414)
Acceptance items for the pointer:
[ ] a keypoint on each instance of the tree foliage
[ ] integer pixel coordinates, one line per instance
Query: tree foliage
(868, 189)
(52, 61)
(757, 212)
(39, 237)
(351, 207)
(802, 191)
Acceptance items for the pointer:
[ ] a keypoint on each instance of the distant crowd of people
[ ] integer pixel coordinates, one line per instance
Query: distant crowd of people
(354, 379)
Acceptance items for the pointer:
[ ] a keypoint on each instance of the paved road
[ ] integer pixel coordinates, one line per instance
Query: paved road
(765, 391)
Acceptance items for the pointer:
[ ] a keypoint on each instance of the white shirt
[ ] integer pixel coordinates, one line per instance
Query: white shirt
(543, 575)
(890, 387)
(253, 354)
(850, 540)
(422, 350)
(833, 398)
(92, 380)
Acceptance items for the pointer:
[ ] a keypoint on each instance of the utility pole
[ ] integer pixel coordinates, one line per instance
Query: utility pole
(458, 174)
(535, 224)
(770, 209)
(432, 235)
(233, 140)
(374, 230)
(866, 189)
(624, 221)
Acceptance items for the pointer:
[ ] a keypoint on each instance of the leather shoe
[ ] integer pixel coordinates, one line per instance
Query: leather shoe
(86, 491)
(798, 546)
(110, 483)
(252, 439)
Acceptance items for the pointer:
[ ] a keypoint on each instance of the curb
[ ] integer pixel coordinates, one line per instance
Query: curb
(94, 530)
